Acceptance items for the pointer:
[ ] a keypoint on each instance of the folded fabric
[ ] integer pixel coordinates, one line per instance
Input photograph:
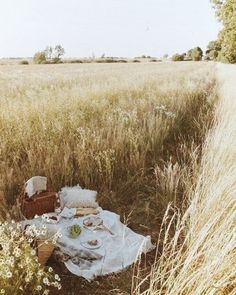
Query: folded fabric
(83, 258)
(35, 185)
(68, 212)
(76, 197)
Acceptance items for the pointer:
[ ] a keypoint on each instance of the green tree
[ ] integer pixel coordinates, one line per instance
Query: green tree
(226, 13)
(48, 52)
(196, 54)
(189, 53)
(213, 49)
(39, 57)
(59, 51)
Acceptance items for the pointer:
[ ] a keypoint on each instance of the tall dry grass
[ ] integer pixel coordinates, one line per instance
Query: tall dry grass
(201, 257)
(128, 131)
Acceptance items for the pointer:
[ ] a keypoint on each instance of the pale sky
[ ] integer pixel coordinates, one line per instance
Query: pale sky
(126, 28)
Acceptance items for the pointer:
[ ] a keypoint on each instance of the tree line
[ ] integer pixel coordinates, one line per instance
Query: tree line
(223, 49)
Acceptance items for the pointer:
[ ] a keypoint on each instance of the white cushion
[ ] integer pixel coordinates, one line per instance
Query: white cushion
(76, 197)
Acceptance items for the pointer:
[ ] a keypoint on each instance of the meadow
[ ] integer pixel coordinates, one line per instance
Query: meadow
(144, 136)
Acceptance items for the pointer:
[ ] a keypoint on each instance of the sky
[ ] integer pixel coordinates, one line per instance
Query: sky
(127, 28)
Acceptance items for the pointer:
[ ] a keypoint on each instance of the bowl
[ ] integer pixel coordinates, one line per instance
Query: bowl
(74, 231)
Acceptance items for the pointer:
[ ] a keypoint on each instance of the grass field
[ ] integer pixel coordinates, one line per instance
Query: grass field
(139, 135)
(200, 257)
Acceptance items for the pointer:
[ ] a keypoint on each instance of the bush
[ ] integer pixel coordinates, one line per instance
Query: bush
(110, 60)
(136, 60)
(155, 60)
(56, 60)
(178, 57)
(24, 62)
(122, 60)
(207, 58)
(75, 61)
(106, 60)
(40, 57)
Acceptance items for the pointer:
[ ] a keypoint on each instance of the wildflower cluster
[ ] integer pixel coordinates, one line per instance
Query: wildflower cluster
(162, 110)
(20, 271)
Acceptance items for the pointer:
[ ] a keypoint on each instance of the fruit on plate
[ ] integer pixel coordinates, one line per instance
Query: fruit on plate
(88, 223)
(74, 231)
(93, 242)
(53, 218)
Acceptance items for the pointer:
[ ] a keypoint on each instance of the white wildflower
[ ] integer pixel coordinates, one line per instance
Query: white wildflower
(39, 288)
(45, 281)
(9, 274)
(40, 273)
(43, 232)
(17, 252)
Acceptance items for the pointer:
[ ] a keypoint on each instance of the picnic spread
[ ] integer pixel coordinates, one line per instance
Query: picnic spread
(90, 241)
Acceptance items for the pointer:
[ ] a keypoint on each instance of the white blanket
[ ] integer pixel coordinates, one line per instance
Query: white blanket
(117, 251)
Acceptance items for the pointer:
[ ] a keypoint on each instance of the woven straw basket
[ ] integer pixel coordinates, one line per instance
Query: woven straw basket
(38, 204)
(44, 250)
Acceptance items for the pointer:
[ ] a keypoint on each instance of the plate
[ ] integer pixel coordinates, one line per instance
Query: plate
(92, 221)
(86, 244)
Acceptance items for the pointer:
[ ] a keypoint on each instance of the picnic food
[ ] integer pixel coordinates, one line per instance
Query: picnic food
(88, 223)
(86, 211)
(52, 217)
(93, 242)
(92, 221)
(74, 231)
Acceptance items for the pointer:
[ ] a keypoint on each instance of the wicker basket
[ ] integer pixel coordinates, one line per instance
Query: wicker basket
(44, 250)
(38, 204)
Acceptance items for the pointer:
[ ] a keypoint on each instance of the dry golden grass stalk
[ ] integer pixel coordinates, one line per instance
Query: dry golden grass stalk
(201, 257)
(96, 124)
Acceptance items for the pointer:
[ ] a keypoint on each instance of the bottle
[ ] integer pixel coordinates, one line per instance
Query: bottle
(57, 205)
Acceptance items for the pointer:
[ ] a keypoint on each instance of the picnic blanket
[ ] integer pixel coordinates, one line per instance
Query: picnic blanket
(116, 252)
